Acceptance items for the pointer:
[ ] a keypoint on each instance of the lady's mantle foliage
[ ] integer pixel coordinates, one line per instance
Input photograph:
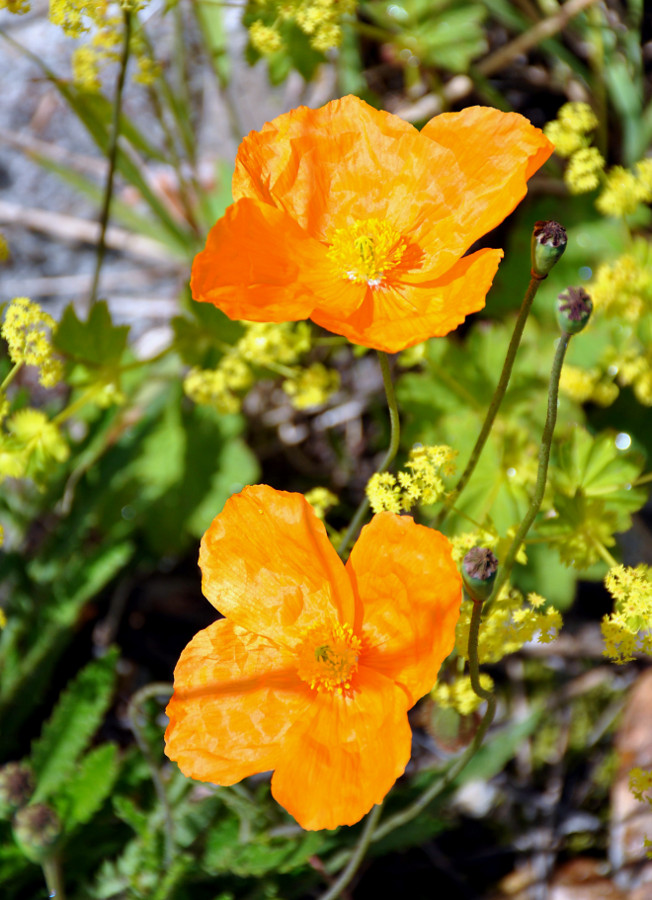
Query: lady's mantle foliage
(349, 216)
(316, 664)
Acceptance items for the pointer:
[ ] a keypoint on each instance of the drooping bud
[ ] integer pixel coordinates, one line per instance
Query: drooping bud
(549, 241)
(16, 787)
(37, 829)
(479, 568)
(574, 308)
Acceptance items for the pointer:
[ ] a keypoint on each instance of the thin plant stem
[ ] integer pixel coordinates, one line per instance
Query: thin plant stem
(348, 874)
(542, 471)
(496, 400)
(157, 689)
(11, 374)
(392, 450)
(604, 554)
(76, 405)
(53, 875)
(112, 158)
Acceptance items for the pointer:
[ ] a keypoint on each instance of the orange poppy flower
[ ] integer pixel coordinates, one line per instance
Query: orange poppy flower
(316, 664)
(351, 217)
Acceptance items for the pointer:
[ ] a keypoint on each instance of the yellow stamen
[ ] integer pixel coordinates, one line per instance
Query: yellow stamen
(366, 250)
(328, 657)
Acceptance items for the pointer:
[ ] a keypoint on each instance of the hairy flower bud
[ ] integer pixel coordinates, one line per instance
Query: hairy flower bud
(37, 829)
(16, 787)
(548, 244)
(479, 568)
(574, 308)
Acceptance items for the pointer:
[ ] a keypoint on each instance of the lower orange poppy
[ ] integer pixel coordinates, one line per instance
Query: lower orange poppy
(351, 217)
(315, 665)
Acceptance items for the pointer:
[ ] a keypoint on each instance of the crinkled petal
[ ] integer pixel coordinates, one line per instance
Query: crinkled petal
(412, 594)
(236, 697)
(345, 754)
(269, 566)
(497, 152)
(403, 314)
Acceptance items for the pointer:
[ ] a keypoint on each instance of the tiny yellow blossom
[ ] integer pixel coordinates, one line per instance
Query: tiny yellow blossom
(578, 384)
(384, 493)
(208, 387)
(269, 343)
(264, 38)
(327, 37)
(623, 289)
(86, 68)
(459, 695)
(566, 140)
(237, 374)
(627, 630)
(312, 386)
(27, 330)
(621, 193)
(321, 500)
(583, 171)
(578, 116)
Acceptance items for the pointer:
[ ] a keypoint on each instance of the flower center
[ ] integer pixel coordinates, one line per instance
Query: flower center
(328, 657)
(366, 250)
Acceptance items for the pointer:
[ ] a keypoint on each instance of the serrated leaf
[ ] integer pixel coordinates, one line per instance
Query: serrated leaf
(97, 341)
(86, 790)
(73, 723)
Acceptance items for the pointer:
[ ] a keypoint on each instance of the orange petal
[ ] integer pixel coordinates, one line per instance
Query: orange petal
(268, 565)
(497, 152)
(404, 314)
(345, 754)
(236, 696)
(411, 593)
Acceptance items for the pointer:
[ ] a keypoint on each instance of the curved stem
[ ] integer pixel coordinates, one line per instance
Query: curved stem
(392, 450)
(157, 689)
(54, 877)
(112, 157)
(11, 374)
(353, 865)
(542, 472)
(496, 400)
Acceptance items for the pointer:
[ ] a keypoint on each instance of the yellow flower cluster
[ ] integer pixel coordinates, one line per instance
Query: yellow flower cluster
(584, 169)
(623, 289)
(459, 695)
(627, 630)
(103, 21)
(508, 625)
(29, 444)
(27, 330)
(319, 19)
(321, 500)
(569, 130)
(277, 347)
(582, 385)
(420, 482)
(624, 189)
(16, 6)
(312, 386)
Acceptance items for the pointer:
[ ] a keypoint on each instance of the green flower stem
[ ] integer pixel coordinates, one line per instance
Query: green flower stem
(54, 877)
(11, 374)
(392, 450)
(112, 158)
(496, 400)
(76, 405)
(157, 689)
(347, 875)
(507, 564)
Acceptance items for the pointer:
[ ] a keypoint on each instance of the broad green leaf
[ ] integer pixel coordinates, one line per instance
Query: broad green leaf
(87, 788)
(97, 341)
(71, 726)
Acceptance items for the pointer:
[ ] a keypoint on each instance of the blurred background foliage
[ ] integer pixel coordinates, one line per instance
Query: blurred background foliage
(113, 471)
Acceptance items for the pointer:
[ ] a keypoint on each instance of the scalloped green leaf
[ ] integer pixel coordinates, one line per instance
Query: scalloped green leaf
(86, 790)
(97, 341)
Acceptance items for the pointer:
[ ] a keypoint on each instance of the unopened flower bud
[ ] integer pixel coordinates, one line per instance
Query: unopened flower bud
(16, 787)
(479, 568)
(574, 308)
(37, 829)
(548, 244)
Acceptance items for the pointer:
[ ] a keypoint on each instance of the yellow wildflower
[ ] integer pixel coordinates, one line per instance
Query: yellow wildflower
(627, 629)
(264, 38)
(578, 384)
(459, 695)
(269, 343)
(583, 170)
(27, 330)
(623, 289)
(312, 386)
(384, 493)
(321, 500)
(578, 116)
(621, 193)
(208, 387)
(86, 68)
(422, 482)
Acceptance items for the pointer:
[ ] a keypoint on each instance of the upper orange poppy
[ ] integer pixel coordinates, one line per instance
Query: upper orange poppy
(353, 218)
(316, 664)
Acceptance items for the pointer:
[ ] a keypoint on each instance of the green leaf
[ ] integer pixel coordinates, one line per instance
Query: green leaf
(75, 719)
(85, 791)
(97, 341)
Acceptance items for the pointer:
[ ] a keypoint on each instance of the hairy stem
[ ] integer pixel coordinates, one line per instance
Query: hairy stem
(496, 400)
(392, 450)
